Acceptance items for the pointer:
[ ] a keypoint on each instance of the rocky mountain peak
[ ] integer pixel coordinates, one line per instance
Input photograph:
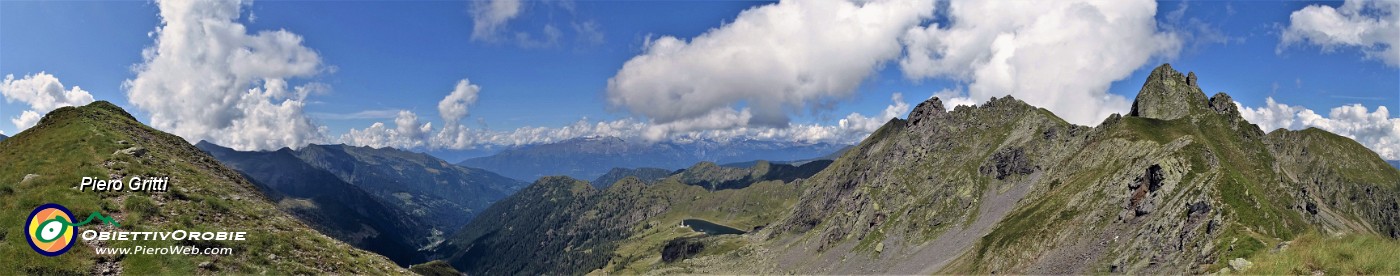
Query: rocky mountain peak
(933, 107)
(1168, 95)
(1222, 104)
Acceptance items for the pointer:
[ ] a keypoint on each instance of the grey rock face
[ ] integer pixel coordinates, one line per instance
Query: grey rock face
(1144, 198)
(933, 107)
(1168, 95)
(1007, 162)
(1222, 104)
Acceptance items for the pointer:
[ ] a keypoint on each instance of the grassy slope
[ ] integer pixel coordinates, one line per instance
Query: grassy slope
(753, 206)
(1364, 254)
(70, 143)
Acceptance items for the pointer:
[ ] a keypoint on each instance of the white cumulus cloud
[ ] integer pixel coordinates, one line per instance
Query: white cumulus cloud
(1374, 129)
(454, 106)
(1372, 26)
(208, 78)
(1060, 55)
(489, 17)
(771, 61)
(43, 93)
(407, 133)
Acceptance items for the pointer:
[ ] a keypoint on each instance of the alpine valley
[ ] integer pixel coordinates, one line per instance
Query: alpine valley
(389, 201)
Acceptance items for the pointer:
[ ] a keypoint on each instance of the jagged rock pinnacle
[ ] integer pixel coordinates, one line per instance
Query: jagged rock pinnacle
(1222, 103)
(1168, 95)
(932, 107)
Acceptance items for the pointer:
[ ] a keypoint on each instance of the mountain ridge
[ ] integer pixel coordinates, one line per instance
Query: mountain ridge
(1181, 183)
(1175, 153)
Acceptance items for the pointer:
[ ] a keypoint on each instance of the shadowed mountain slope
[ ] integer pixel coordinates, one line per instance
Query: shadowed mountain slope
(334, 207)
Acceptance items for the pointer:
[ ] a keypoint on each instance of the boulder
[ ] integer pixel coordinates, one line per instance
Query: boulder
(133, 151)
(1240, 264)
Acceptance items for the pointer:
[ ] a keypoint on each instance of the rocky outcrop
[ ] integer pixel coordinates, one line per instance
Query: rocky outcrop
(1222, 104)
(1143, 200)
(933, 107)
(1008, 162)
(681, 249)
(1168, 95)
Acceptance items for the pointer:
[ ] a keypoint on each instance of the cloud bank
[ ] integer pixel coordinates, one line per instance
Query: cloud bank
(408, 132)
(780, 59)
(208, 78)
(770, 62)
(1374, 129)
(43, 93)
(1371, 26)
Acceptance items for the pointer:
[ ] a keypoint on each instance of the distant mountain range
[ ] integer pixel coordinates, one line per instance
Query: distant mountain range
(458, 155)
(44, 163)
(2, 137)
(590, 158)
(393, 202)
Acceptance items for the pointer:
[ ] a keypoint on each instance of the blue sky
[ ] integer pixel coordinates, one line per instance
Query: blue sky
(379, 57)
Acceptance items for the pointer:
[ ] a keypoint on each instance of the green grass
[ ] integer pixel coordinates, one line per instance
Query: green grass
(1160, 131)
(140, 206)
(1364, 254)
